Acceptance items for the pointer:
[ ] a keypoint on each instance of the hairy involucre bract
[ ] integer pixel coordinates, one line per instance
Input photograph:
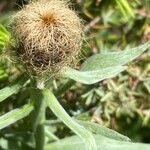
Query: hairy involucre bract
(48, 36)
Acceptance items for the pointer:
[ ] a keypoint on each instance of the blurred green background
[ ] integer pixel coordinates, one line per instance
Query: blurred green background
(121, 103)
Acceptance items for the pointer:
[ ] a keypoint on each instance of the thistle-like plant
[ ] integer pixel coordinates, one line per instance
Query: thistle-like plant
(48, 37)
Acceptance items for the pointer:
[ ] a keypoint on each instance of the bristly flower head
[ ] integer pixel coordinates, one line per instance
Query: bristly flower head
(48, 36)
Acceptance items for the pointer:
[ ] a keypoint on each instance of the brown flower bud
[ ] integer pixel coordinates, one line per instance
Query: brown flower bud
(48, 36)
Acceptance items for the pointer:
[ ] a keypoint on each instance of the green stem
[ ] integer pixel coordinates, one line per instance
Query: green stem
(40, 137)
(58, 110)
(38, 118)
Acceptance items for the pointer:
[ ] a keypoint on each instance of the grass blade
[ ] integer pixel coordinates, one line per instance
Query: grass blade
(125, 8)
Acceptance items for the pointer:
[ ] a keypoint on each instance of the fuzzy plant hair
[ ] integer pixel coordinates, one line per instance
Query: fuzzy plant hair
(48, 36)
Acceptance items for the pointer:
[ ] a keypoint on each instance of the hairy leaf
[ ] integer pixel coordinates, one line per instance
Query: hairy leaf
(103, 66)
(58, 110)
(10, 90)
(15, 115)
(109, 59)
(99, 129)
(103, 143)
(90, 77)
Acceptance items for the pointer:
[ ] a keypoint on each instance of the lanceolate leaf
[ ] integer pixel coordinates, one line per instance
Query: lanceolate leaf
(10, 90)
(103, 143)
(110, 59)
(15, 115)
(99, 129)
(90, 77)
(103, 66)
(58, 110)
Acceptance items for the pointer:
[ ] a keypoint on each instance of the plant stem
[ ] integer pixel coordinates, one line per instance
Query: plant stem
(38, 117)
(40, 137)
(58, 110)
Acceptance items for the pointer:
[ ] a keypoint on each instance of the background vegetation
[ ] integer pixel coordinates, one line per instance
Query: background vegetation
(121, 103)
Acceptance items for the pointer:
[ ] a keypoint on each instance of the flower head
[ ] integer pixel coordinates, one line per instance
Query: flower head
(48, 36)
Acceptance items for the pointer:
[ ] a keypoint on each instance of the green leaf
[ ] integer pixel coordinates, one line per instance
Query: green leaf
(3, 29)
(15, 115)
(58, 110)
(2, 43)
(4, 34)
(103, 66)
(10, 90)
(125, 8)
(99, 129)
(111, 59)
(103, 143)
(90, 77)
(4, 37)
